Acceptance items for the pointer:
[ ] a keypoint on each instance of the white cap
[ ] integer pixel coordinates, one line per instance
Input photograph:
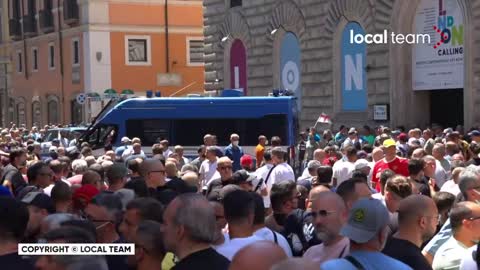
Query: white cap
(125, 140)
(361, 163)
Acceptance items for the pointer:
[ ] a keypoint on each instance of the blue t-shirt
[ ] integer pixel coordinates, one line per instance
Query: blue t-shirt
(369, 260)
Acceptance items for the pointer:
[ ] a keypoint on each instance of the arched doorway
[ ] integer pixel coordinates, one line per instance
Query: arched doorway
(76, 112)
(238, 66)
(20, 111)
(36, 113)
(53, 112)
(290, 66)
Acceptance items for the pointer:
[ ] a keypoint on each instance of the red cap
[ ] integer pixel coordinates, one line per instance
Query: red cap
(402, 137)
(246, 160)
(83, 195)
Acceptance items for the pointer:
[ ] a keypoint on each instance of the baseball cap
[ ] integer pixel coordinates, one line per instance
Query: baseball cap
(352, 131)
(474, 133)
(402, 136)
(389, 142)
(361, 163)
(242, 176)
(40, 200)
(84, 194)
(396, 132)
(125, 140)
(365, 220)
(246, 160)
(447, 130)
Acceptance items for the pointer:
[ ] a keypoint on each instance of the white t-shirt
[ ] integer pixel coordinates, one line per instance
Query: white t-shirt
(449, 255)
(48, 190)
(440, 174)
(342, 171)
(208, 171)
(267, 234)
(230, 248)
(451, 187)
(282, 172)
(262, 173)
(468, 263)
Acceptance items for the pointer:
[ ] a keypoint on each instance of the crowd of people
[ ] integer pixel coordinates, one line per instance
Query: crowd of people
(377, 198)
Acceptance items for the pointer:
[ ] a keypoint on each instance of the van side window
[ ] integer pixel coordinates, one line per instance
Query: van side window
(102, 135)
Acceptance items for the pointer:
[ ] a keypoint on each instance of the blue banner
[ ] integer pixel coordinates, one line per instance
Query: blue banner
(354, 76)
(290, 66)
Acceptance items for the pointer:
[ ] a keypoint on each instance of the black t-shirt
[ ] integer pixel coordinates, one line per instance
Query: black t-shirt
(406, 252)
(178, 185)
(214, 188)
(474, 161)
(15, 261)
(203, 259)
(300, 231)
(12, 174)
(392, 226)
(423, 187)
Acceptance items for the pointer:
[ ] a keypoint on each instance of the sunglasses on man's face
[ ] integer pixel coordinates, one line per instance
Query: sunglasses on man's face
(322, 213)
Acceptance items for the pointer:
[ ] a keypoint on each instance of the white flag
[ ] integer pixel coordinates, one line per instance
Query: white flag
(324, 119)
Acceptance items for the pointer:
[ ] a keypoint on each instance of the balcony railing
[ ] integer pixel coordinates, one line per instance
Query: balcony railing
(46, 21)
(29, 25)
(15, 28)
(70, 11)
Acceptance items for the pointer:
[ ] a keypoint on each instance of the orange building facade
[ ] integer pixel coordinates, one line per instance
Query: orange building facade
(62, 48)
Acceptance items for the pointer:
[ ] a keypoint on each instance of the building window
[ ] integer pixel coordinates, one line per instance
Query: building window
(137, 51)
(235, 3)
(195, 51)
(19, 62)
(35, 59)
(51, 56)
(75, 52)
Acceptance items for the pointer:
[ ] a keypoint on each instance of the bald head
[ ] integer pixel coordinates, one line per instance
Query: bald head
(149, 165)
(296, 263)
(171, 169)
(260, 255)
(377, 154)
(316, 191)
(415, 206)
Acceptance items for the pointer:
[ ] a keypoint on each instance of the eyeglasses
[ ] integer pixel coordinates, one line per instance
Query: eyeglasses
(437, 218)
(322, 213)
(473, 218)
(159, 171)
(225, 168)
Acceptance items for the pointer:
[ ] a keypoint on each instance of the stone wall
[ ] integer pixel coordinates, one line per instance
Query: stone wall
(318, 24)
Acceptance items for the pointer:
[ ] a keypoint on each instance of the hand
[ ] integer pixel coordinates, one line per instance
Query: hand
(432, 183)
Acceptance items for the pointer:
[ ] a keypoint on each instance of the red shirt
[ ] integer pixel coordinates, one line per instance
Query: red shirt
(398, 165)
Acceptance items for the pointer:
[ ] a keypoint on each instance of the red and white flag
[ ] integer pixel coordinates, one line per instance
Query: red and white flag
(324, 119)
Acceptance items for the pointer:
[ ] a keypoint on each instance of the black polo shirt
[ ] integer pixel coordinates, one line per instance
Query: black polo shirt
(203, 259)
(406, 252)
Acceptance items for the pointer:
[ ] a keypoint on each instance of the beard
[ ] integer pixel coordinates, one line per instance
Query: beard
(324, 235)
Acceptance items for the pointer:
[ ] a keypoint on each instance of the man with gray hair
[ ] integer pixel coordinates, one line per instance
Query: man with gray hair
(234, 152)
(208, 168)
(117, 176)
(105, 212)
(189, 230)
(438, 152)
(79, 167)
(469, 185)
(70, 235)
(149, 249)
(367, 230)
